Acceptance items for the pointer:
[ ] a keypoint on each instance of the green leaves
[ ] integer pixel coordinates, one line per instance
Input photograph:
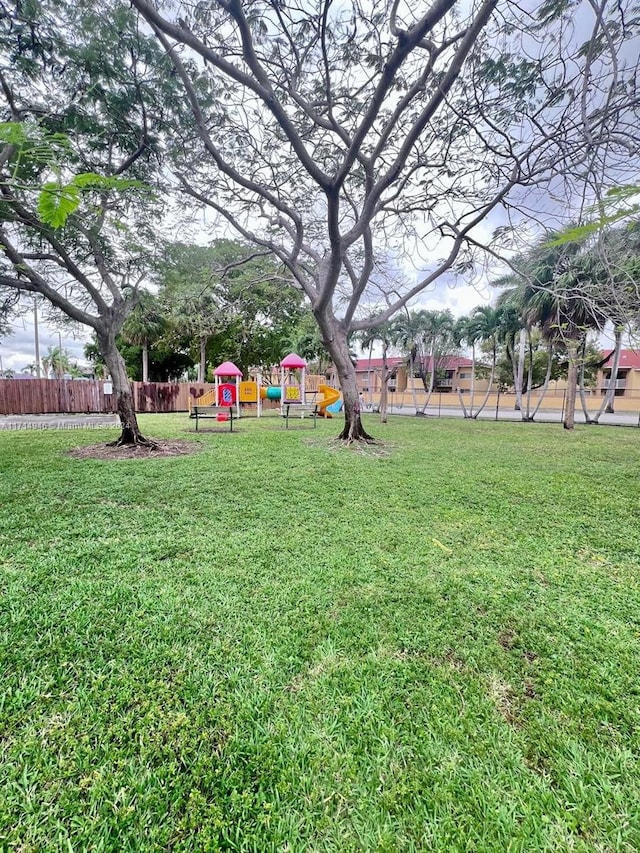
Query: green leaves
(607, 213)
(57, 202)
(33, 142)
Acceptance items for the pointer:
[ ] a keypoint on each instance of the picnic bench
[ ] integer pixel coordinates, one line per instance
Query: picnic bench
(224, 414)
(300, 409)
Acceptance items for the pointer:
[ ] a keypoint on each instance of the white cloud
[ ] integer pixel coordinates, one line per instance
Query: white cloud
(18, 350)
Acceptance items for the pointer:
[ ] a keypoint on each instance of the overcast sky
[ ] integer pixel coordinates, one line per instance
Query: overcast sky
(18, 350)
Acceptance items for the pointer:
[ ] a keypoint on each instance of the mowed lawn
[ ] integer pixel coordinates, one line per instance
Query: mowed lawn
(277, 645)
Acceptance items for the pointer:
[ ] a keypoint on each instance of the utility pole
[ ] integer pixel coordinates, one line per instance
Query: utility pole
(35, 326)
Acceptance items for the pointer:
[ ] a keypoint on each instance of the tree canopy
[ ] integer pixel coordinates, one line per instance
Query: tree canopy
(84, 98)
(342, 135)
(224, 301)
(339, 140)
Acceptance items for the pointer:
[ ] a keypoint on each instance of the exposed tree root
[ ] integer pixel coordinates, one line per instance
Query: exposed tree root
(128, 438)
(362, 440)
(355, 432)
(138, 451)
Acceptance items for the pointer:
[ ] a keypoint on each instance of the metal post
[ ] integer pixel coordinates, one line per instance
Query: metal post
(497, 403)
(564, 397)
(439, 402)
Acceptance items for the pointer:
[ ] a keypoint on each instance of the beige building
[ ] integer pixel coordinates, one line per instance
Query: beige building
(628, 380)
(453, 374)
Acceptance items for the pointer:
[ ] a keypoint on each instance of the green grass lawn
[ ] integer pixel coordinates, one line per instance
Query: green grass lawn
(277, 645)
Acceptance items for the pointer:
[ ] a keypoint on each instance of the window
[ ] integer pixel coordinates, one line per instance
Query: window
(463, 375)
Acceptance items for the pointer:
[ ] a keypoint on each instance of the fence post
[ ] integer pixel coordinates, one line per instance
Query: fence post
(497, 404)
(439, 402)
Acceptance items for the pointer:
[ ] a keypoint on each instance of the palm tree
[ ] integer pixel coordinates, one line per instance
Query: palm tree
(367, 339)
(550, 293)
(438, 342)
(613, 264)
(573, 313)
(385, 334)
(485, 325)
(481, 326)
(522, 310)
(467, 331)
(409, 335)
(511, 327)
(57, 363)
(146, 323)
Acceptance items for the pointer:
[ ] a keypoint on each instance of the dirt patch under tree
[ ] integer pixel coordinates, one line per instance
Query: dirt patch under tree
(180, 447)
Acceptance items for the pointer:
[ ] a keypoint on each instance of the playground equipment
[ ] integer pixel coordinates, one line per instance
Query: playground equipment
(292, 380)
(293, 391)
(228, 393)
(254, 392)
(230, 390)
(330, 403)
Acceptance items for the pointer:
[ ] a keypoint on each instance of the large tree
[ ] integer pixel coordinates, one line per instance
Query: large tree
(549, 290)
(335, 133)
(145, 325)
(83, 110)
(227, 302)
(608, 276)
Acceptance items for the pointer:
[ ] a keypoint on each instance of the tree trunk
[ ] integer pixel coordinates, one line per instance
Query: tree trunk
(611, 390)
(473, 378)
(572, 382)
(432, 379)
(547, 378)
(414, 395)
(384, 387)
(465, 413)
(583, 399)
(519, 371)
(369, 376)
(474, 415)
(609, 397)
(384, 396)
(335, 340)
(122, 389)
(527, 414)
(145, 361)
(202, 364)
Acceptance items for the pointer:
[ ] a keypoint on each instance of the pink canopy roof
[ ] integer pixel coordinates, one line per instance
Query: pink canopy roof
(293, 361)
(227, 368)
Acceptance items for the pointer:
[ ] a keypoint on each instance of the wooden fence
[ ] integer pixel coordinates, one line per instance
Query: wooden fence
(45, 396)
(167, 396)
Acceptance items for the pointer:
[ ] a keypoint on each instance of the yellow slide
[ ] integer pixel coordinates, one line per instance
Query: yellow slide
(331, 396)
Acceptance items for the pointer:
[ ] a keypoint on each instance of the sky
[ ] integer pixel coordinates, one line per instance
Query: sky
(18, 350)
